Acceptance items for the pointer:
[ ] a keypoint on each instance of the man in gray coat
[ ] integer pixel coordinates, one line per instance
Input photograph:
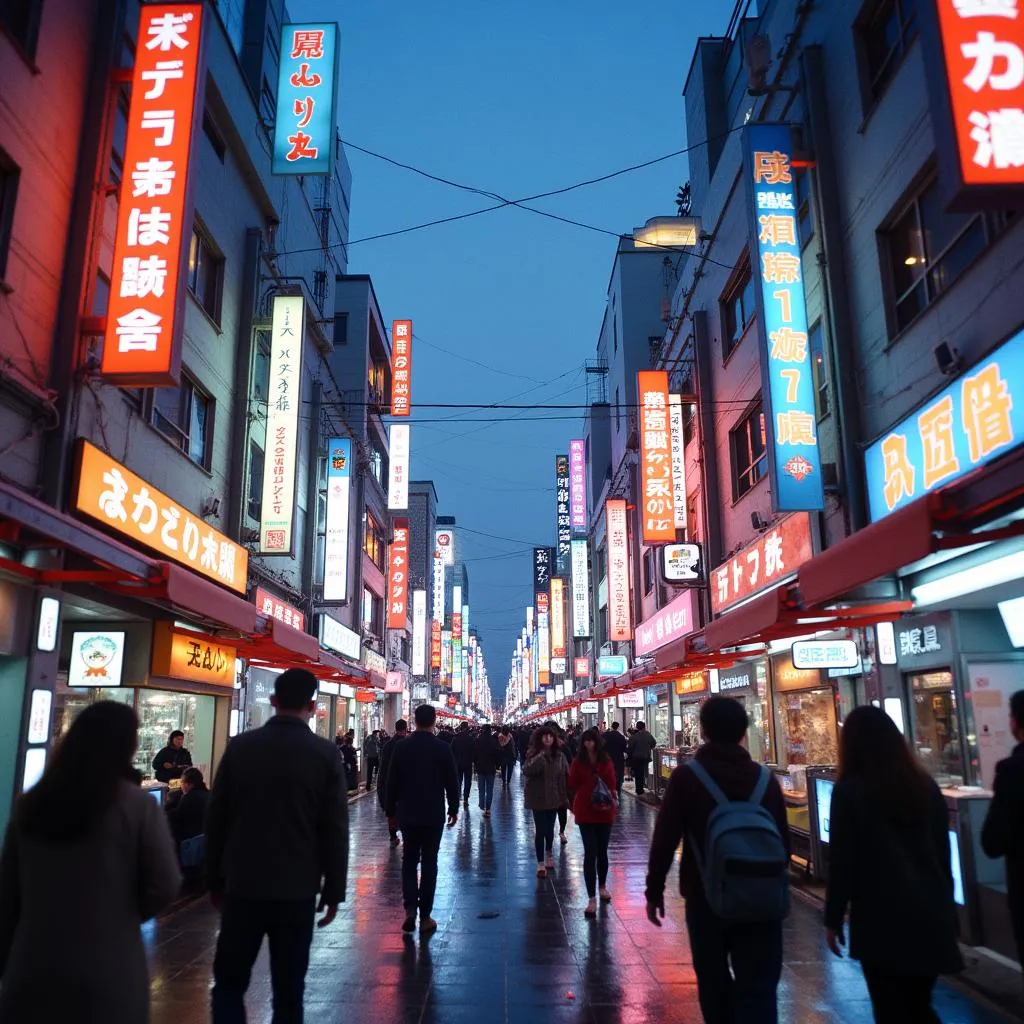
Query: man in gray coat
(641, 750)
(276, 839)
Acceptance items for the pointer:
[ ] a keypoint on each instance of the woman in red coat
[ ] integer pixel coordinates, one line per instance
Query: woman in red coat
(594, 806)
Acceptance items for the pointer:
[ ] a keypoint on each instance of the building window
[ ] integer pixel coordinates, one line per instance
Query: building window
(737, 310)
(261, 371)
(185, 417)
(928, 249)
(648, 571)
(213, 135)
(819, 371)
(268, 103)
(19, 20)
(805, 211)
(340, 329)
(376, 381)
(748, 450)
(374, 543)
(9, 176)
(379, 465)
(205, 273)
(373, 613)
(232, 13)
(887, 30)
(255, 504)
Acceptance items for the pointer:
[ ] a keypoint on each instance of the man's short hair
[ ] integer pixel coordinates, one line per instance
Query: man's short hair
(294, 689)
(1017, 708)
(401, 725)
(616, 725)
(426, 716)
(723, 720)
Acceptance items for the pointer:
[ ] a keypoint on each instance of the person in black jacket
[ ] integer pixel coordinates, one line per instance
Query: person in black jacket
(188, 817)
(890, 866)
(487, 757)
(464, 749)
(171, 762)
(276, 838)
(347, 750)
(615, 747)
(401, 732)
(420, 778)
(1003, 833)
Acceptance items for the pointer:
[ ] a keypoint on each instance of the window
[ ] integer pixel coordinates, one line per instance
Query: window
(19, 20)
(205, 273)
(737, 310)
(376, 380)
(648, 571)
(928, 249)
(119, 135)
(886, 30)
(255, 503)
(261, 371)
(747, 448)
(232, 13)
(373, 617)
(340, 329)
(379, 465)
(9, 175)
(100, 294)
(602, 562)
(373, 541)
(805, 212)
(819, 372)
(185, 417)
(213, 135)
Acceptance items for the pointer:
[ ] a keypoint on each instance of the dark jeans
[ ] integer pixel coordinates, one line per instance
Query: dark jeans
(620, 775)
(753, 949)
(372, 767)
(420, 846)
(466, 780)
(506, 771)
(563, 819)
(485, 787)
(900, 998)
(544, 832)
(288, 925)
(595, 855)
(640, 775)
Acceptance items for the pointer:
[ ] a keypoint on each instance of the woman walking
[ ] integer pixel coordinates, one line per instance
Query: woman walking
(87, 858)
(546, 791)
(890, 865)
(592, 784)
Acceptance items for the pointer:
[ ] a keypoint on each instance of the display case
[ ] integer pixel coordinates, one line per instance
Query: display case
(160, 713)
(793, 782)
(821, 782)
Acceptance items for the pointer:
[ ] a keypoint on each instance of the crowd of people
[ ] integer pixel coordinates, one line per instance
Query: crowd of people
(88, 819)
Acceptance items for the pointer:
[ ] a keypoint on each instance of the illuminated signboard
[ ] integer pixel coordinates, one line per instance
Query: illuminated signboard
(306, 86)
(680, 563)
(394, 682)
(580, 589)
(675, 415)
(444, 540)
(541, 569)
(968, 424)
(145, 312)
(578, 484)
(275, 608)
(581, 668)
(610, 665)
(401, 367)
(563, 520)
(446, 655)
(630, 699)
(336, 636)
(110, 493)
(398, 467)
(656, 489)
(807, 654)
(438, 587)
(419, 632)
(192, 656)
(674, 621)
(620, 620)
(339, 479)
(457, 639)
(285, 398)
(435, 644)
(558, 629)
(398, 576)
(790, 420)
(97, 658)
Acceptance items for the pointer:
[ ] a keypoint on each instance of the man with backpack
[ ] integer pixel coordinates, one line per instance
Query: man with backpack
(734, 875)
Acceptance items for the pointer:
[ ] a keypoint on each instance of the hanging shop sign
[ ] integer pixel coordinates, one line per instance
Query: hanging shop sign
(145, 312)
(457, 674)
(974, 420)
(630, 699)
(398, 575)
(273, 607)
(620, 619)
(611, 665)
(578, 484)
(772, 558)
(394, 682)
(110, 493)
(446, 656)
(541, 569)
(336, 636)
(178, 654)
(374, 662)
(786, 677)
(924, 642)
(691, 683)
(580, 589)
(304, 132)
(435, 644)
(339, 481)
(419, 632)
(287, 336)
(581, 668)
(563, 517)
(401, 367)
(739, 677)
(680, 563)
(444, 542)
(543, 639)
(675, 418)
(673, 622)
(557, 666)
(97, 658)
(589, 707)
(825, 654)
(558, 630)
(398, 467)
(656, 487)
(790, 420)
(438, 579)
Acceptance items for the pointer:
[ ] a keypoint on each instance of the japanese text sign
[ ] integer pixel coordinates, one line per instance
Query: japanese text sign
(398, 467)
(401, 367)
(969, 423)
(142, 344)
(192, 656)
(541, 569)
(558, 610)
(398, 575)
(791, 426)
(106, 491)
(672, 622)
(581, 668)
(580, 589)
(657, 501)
(394, 682)
(563, 522)
(691, 682)
(444, 541)
(306, 86)
(339, 488)
(435, 644)
(675, 413)
(419, 632)
(275, 608)
(543, 639)
(774, 556)
(620, 619)
(578, 483)
(438, 587)
(277, 511)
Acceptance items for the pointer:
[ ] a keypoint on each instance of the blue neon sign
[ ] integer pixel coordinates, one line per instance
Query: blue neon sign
(610, 665)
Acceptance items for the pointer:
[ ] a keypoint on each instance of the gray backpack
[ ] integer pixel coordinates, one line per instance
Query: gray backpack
(744, 867)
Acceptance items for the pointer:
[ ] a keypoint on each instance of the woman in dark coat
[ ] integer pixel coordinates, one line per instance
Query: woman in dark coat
(890, 866)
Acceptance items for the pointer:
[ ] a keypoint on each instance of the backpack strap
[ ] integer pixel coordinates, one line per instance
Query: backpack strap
(707, 782)
(762, 787)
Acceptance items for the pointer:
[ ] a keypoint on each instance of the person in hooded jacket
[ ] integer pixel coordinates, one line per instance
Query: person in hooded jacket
(464, 751)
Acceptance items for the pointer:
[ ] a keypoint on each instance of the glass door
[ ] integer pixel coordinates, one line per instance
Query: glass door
(936, 725)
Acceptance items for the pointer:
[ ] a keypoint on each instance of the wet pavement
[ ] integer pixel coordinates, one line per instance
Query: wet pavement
(510, 947)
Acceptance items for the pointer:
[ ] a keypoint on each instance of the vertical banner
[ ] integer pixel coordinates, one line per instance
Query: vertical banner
(435, 644)
(543, 639)
(675, 415)
(145, 314)
(620, 619)
(398, 467)
(339, 478)
(787, 386)
(541, 570)
(580, 589)
(277, 511)
(558, 617)
(438, 587)
(419, 632)
(401, 367)
(657, 504)
(457, 679)
(578, 484)
(563, 520)
(446, 656)
(304, 125)
(398, 569)
(444, 544)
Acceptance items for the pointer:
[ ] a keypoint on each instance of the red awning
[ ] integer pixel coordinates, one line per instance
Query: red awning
(194, 596)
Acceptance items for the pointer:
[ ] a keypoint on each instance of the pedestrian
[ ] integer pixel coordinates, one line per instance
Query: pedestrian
(188, 816)
(351, 765)
(421, 777)
(734, 873)
(546, 790)
(889, 865)
(171, 762)
(486, 758)
(594, 804)
(563, 811)
(464, 751)
(641, 750)
(276, 839)
(508, 755)
(401, 733)
(371, 756)
(615, 746)
(87, 858)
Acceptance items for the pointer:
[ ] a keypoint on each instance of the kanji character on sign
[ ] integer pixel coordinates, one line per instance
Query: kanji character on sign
(788, 346)
(986, 51)
(775, 201)
(171, 517)
(164, 72)
(145, 513)
(111, 501)
(936, 426)
(142, 276)
(986, 8)
(301, 148)
(168, 30)
(149, 227)
(139, 331)
(226, 562)
(1000, 138)
(302, 79)
(304, 111)
(986, 412)
(307, 43)
(153, 177)
(190, 539)
(161, 121)
(773, 560)
(208, 558)
(899, 471)
(772, 168)
(780, 267)
(777, 230)
(754, 561)
(795, 427)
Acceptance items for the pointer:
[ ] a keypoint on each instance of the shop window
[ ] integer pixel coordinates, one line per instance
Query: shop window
(373, 613)
(885, 32)
(737, 307)
(205, 272)
(748, 452)
(937, 727)
(19, 20)
(184, 415)
(805, 209)
(819, 372)
(254, 505)
(10, 174)
(805, 727)
(374, 543)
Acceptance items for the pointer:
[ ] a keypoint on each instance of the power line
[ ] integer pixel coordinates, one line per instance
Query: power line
(475, 362)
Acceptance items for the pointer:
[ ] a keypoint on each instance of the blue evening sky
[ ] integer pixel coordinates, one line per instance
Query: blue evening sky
(513, 99)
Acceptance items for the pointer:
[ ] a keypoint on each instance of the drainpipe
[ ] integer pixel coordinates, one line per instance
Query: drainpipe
(312, 497)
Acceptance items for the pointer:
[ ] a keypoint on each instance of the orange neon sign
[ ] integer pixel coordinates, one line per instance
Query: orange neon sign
(656, 487)
(398, 576)
(401, 367)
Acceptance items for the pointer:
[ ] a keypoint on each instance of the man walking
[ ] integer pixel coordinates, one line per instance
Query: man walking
(641, 750)
(371, 755)
(737, 956)
(615, 745)
(401, 732)
(276, 838)
(463, 747)
(419, 779)
(486, 758)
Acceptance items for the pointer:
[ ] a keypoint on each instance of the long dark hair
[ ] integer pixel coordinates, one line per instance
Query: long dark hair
(600, 754)
(81, 781)
(537, 740)
(873, 751)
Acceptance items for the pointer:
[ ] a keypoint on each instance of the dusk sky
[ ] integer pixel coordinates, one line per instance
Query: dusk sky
(515, 100)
